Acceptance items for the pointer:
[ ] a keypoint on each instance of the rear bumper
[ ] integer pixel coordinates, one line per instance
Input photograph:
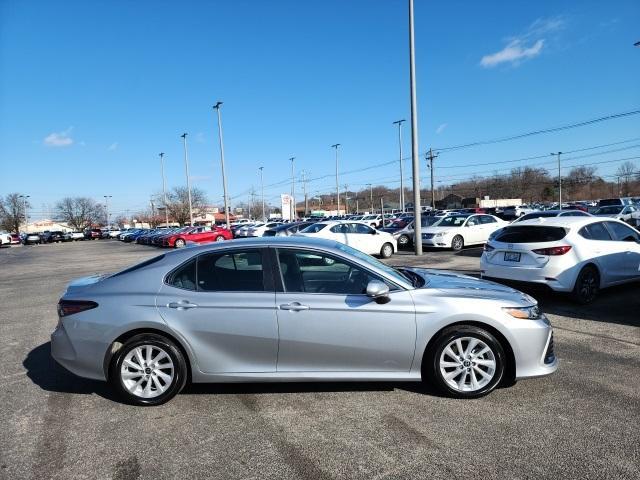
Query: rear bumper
(559, 281)
(78, 356)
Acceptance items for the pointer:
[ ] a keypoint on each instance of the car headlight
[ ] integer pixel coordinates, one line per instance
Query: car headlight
(439, 234)
(526, 313)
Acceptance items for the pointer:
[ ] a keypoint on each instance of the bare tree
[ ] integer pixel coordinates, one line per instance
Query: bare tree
(178, 203)
(80, 212)
(626, 173)
(12, 213)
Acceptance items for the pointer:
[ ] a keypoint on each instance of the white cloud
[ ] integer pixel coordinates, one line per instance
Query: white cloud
(113, 146)
(527, 45)
(59, 139)
(441, 128)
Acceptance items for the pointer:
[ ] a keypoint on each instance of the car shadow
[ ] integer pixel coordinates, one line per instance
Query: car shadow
(46, 373)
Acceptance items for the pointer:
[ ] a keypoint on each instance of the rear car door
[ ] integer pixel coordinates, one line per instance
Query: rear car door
(328, 324)
(607, 253)
(363, 237)
(628, 241)
(223, 304)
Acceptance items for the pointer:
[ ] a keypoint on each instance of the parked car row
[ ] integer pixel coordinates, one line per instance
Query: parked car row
(175, 237)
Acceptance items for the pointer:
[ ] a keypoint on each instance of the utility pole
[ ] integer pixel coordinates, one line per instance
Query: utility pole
(186, 166)
(337, 186)
(106, 207)
(381, 205)
(357, 206)
(164, 191)
(559, 180)
(371, 195)
(430, 158)
(292, 203)
(346, 199)
(216, 107)
(264, 219)
(417, 212)
(399, 123)
(24, 208)
(153, 212)
(304, 189)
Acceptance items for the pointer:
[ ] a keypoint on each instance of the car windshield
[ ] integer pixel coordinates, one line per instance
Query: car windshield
(609, 210)
(451, 221)
(373, 262)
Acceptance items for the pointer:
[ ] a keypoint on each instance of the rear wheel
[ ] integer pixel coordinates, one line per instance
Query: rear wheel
(465, 362)
(386, 251)
(457, 243)
(148, 370)
(403, 241)
(179, 243)
(219, 238)
(587, 285)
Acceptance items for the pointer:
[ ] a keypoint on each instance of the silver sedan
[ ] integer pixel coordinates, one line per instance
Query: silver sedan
(295, 309)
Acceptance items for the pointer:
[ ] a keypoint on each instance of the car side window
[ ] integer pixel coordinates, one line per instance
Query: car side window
(315, 272)
(360, 228)
(340, 228)
(472, 222)
(484, 219)
(184, 277)
(237, 271)
(595, 231)
(622, 233)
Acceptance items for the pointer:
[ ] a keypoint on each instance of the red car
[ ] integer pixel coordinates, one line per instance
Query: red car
(197, 235)
(15, 238)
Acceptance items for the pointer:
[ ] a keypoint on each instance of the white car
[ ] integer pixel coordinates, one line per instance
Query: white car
(517, 211)
(5, 238)
(626, 213)
(258, 230)
(77, 236)
(372, 220)
(580, 255)
(243, 231)
(456, 231)
(356, 234)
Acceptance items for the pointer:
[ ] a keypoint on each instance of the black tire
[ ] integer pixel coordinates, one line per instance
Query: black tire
(154, 340)
(457, 243)
(587, 285)
(179, 243)
(219, 238)
(386, 251)
(403, 241)
(432, 371)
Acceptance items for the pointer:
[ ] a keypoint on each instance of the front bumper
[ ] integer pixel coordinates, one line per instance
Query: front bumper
(436, 242)
(533, 348)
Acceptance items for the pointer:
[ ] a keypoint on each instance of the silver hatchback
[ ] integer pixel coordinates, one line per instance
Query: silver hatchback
(295, 309)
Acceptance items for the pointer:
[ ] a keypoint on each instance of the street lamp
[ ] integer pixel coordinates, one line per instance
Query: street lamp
(24, 207)
(264, 219)
(559, 180)
(292, 204)
(399, 123)
(370, 195)
(186, 166)
(164, 191)
(216, 107)
(106, 206)
(337, 186)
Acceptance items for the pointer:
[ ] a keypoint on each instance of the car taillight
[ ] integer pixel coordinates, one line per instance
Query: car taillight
(553, 250)
(488, 248)
(69, 307)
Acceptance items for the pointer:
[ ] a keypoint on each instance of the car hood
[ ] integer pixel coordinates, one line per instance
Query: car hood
(456, 285)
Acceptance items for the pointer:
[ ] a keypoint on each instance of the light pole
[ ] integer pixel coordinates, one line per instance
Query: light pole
(337, 186)
(346, 199)
(264, 219)
(304, 191)
(559, 180)
(216, 107)
(430, 158)
(292, 203)
(106, 206)
(24, 207)
(414, 137)
(399, 123)
(186, 166)
(370, 195)
(164, 191)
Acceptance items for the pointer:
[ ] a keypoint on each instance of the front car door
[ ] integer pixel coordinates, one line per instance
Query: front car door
(606, 252)
(223, 304)
(328, 324)
(628, 240)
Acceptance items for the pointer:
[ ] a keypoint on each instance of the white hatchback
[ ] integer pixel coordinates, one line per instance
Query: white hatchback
(580, 255)
(358, 235)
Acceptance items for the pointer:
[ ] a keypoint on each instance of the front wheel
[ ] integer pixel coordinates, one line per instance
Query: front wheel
(457, 243)
(179, 243)
(403, 241)
(465, 362)
(148, 370)
(587, 285)
(386, 251)
(219, 238)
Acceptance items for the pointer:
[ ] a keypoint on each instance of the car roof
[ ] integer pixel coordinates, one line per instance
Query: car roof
(565, 221)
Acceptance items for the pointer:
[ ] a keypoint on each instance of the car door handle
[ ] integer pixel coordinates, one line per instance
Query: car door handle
(182, 305)
(294, 306)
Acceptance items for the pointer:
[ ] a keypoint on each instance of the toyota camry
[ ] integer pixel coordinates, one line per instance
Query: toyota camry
(282, 309)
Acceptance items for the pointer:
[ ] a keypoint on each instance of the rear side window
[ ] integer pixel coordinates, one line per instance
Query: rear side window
(184, 277)
(315, 228)
(239, 271)
(530, 234)
(595, 231)
(622, 232)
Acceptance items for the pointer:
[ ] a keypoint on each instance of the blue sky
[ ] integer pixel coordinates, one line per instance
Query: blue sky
(91, 92)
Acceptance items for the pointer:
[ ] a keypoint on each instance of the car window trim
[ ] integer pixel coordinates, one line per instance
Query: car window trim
(280, 281)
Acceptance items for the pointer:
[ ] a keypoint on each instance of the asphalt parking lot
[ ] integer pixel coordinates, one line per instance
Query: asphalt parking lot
(582, 422)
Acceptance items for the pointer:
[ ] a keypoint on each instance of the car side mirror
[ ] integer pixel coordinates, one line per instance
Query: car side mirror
(378, 290)
(373, 232)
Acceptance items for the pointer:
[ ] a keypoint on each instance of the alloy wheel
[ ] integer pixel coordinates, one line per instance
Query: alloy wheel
(220, 238)
(147, 371)
(467, 364)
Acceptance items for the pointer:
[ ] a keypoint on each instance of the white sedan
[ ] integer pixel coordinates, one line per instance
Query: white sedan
(358, 235)
(580, 255)
(258, 230)
(456, 231)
